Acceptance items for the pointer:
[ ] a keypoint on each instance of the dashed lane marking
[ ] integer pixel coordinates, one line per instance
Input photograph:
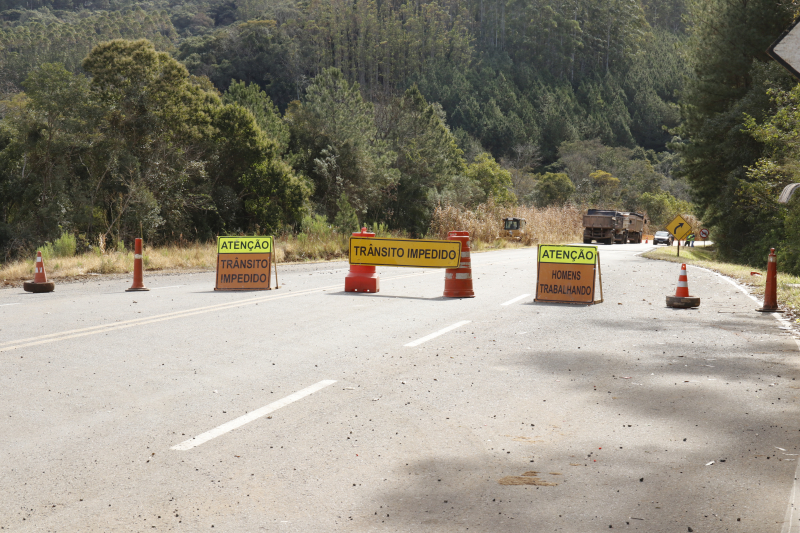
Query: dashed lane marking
(8, 346)
(113, 326)
(437, 333)
(249, 417)
(515, 300)
(92, 330)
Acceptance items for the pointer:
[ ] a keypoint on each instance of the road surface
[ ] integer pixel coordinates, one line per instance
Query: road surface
(311, 409)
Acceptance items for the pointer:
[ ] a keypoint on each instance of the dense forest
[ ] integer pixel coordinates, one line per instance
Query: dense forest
(182, 120)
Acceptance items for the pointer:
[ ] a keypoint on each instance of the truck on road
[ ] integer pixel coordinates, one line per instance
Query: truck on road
(609, 227)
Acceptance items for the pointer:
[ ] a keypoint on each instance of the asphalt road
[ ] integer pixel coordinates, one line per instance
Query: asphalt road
(634, 416)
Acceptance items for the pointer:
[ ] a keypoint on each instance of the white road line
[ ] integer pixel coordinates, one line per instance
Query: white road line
(793, 508)
(249, 417)
(1, 305)
(436, 334)
(515, 300)
(167, 287)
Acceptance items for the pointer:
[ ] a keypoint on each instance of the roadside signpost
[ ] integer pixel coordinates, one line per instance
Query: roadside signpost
(679, 229)
(566, 274)
(244, 263)
(405, 252)
(704, 235)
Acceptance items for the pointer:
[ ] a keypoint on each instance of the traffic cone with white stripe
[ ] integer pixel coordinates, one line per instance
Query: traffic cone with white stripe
(458, 281)
(39, 283)
(138, 283)
(683, 284)
(682, 300)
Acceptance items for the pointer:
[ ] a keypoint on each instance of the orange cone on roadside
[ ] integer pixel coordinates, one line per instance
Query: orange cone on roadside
(40, 276)
(771, 288)
(138, 283)
(458, 281)
(683, 284)
(39, 283)
(682, 300)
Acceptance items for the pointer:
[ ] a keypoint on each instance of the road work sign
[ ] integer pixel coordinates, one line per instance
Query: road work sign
(679, 227)
(244, 263)
(405, 252)
(566, 274)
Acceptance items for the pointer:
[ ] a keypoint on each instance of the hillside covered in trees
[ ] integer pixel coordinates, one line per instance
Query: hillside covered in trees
(189, 119)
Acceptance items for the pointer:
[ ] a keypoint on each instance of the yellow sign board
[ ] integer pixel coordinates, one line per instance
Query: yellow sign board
(244, 263)
(566, 274)
(573, 255)
(244, 245)
(405, 252)
(679, 227)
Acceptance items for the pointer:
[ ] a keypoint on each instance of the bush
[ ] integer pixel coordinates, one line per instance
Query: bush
(64, 246)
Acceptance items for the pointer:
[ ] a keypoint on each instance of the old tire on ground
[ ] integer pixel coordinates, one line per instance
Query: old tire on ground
(683, 303)
(587, 241)
(32, 286)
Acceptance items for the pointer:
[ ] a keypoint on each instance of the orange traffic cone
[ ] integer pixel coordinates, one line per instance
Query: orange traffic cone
(771, 288)
(458, 281)
(683, 284)
(138, 283)
(39, 283)
(682, 300)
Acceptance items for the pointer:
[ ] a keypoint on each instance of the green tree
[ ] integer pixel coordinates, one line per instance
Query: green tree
(494, 180)
(553, 189)
(346, 220)
(428, 159)
(731, 76)
(264, 111)
(336, 143)
(662, 207)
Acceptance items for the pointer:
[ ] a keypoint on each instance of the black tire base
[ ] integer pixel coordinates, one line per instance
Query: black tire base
(683, 303)
(32, 286)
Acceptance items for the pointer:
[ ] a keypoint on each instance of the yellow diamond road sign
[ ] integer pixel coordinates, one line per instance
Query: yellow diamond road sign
(679, 227)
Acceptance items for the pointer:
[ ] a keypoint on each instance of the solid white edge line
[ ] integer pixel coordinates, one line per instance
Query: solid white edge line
(16, 303)
(167, 287)
(515, 300)
(436, 334)
(249, 417)
(788, 525)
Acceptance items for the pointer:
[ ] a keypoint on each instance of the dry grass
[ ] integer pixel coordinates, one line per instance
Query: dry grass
(318, 243)
(188, 257)
(168, 258)
(551, 225)
(788, 296)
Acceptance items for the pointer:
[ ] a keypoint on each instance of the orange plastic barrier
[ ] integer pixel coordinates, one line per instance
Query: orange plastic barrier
(362, 278)
(458, 281)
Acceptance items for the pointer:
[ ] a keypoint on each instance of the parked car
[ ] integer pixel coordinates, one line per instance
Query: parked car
(663, 237)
